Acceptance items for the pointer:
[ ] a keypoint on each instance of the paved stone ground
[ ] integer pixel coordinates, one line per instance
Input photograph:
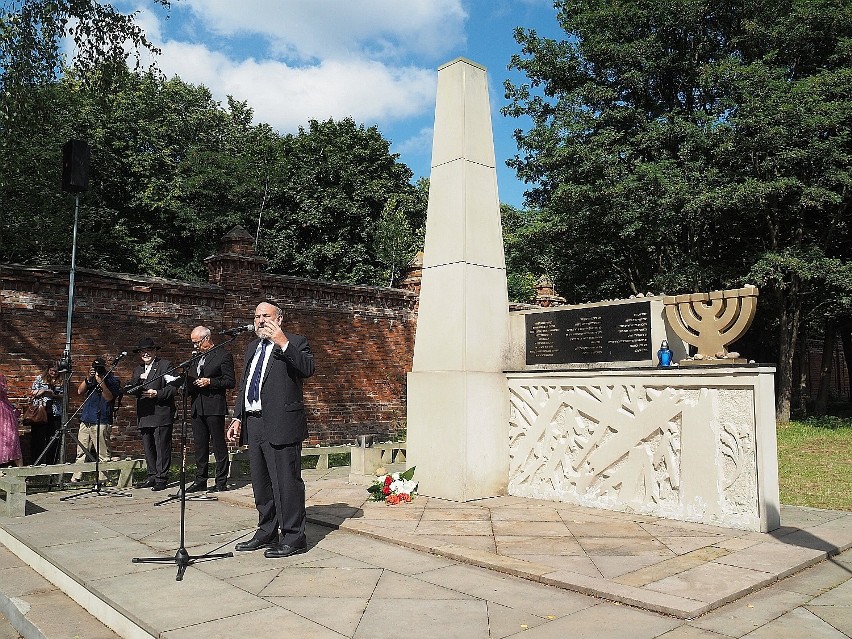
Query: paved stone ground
(381, 583)
(671, 567)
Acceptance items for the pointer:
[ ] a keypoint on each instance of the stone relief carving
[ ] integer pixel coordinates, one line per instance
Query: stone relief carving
(686, 453)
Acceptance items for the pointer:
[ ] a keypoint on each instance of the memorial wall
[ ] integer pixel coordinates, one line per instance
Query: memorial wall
(594, 421)
(617, 334)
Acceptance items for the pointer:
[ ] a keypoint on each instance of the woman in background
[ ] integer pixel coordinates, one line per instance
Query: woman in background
(10, 442)
(46, 391)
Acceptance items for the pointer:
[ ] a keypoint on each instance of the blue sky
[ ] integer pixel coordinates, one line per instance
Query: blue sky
(373, 60)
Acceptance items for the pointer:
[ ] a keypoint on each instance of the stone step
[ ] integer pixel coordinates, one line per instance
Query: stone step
(33, 608)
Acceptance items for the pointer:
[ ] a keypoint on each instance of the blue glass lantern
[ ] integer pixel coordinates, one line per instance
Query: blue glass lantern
(664, 355)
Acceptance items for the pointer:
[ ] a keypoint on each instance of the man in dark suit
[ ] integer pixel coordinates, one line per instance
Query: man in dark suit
(155, 412)
(207, 382)
(270, 415)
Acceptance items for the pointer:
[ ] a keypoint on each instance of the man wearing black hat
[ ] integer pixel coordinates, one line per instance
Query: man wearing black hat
(100, 390)
(155, 412)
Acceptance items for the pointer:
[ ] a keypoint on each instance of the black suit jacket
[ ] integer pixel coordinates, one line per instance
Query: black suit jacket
(210, 400)
(153, 411)
(284, 420)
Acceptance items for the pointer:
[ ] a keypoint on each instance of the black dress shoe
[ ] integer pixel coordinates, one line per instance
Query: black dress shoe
(150, 483)
(197, 487)
(277, 552)
(158, 487)
(254, 544)
(217, 489)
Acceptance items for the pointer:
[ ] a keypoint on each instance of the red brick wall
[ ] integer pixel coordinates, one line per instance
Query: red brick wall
(362, 337)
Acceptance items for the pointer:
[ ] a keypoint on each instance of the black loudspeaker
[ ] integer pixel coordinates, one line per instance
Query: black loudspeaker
(75, 166)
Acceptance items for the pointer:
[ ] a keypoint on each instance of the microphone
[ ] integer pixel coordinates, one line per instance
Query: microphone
(118, 357)
(237, 330)
(189, 361)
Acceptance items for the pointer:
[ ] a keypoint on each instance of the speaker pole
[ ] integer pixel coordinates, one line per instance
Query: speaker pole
(75, 179)
(67, 354)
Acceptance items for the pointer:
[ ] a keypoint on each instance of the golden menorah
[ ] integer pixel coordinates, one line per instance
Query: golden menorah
(711, 321)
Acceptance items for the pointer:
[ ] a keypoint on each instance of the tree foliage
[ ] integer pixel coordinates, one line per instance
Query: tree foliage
(337, 179)
(689, 145)
(172, 169)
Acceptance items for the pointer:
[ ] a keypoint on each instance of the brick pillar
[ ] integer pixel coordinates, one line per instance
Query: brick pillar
(545, 293)
(239, 271)
(412, 277)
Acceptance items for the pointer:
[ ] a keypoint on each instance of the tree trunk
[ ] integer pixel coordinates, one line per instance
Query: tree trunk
(788, 331)
(821, 406)
(801, 374)
(846, 340)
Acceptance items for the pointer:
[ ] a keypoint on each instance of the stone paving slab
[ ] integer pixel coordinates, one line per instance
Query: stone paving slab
(677, 568)
(394, 572)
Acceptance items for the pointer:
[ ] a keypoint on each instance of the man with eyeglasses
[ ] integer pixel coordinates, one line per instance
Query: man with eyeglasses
(207, 381)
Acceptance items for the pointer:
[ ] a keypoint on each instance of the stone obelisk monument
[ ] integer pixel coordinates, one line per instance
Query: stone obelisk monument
(458, 401)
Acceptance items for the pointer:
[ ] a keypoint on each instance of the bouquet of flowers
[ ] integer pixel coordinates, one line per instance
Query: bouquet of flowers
(394, 488)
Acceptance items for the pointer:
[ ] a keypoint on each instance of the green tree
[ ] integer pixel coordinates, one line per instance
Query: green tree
(337, 179)
(38, 114)
(688, 145)
(172, 169)
(401, 229)
(526, 258)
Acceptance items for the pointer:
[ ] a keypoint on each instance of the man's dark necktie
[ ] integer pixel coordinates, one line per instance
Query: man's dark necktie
(254, 386)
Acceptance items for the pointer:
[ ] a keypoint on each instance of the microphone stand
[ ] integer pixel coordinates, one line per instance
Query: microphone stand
(182, 558)
(97, 488)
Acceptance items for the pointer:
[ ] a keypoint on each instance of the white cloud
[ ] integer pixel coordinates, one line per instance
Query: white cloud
(324, 29)
(286, 96)
(419, 144)
(317, 60)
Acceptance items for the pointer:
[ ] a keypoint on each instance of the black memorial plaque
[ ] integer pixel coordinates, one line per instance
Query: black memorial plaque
(614, 333)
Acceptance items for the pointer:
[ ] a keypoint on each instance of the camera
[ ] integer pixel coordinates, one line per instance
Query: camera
(100, 367)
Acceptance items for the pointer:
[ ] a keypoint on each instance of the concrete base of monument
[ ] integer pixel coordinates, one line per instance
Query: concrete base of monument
(457, 433)
(712, 361)
(688, 444)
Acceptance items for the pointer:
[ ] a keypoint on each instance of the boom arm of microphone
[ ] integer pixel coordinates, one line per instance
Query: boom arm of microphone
(237, 330)
(118, 357)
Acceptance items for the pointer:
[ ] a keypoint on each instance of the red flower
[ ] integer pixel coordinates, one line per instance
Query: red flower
(386, 491)
(388, 480)
(392, 499)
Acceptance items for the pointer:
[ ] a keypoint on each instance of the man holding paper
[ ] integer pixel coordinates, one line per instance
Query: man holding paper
(155, 412)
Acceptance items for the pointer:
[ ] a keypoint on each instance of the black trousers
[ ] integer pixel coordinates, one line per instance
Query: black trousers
(40, 435)
(279, 492)
(205, 429)
(157, 443)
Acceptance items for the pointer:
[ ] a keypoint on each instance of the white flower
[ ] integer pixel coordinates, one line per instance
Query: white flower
(395, 476)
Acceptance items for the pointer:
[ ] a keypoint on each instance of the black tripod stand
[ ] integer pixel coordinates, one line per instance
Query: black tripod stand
(59, 434)
(182, 558)
(98, 488)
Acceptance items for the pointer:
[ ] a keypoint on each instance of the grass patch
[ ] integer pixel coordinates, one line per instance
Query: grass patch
(815, 463)
(309, 462)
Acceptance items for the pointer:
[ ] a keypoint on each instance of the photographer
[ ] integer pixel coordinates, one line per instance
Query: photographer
(101, 390)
